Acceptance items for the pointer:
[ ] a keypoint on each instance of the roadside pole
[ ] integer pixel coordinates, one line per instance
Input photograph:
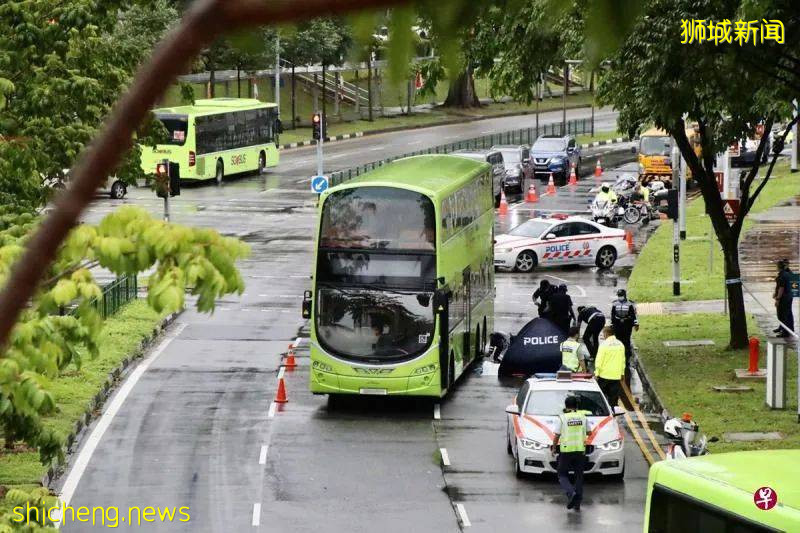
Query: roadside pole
(676, 238)
(278, 73)
(564, 101)
(795, 140)
(319, 144)
(682, 199)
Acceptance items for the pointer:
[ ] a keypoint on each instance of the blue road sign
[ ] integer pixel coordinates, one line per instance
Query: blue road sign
(319, 184)
(795, 285)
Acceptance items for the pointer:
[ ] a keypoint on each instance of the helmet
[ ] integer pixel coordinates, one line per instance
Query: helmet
(621, 293)
(657, 185)
(604, 187)
(782, 263)
(562, 288)
(672, 428)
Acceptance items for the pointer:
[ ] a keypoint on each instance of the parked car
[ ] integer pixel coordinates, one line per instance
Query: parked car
(494, 158)
(555, 154)
(518, 165)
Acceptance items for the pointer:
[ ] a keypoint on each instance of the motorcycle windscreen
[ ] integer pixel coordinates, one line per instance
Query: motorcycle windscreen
(535, 349)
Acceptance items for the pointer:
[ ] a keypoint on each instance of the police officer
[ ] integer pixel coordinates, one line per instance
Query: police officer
(570, 441)
(573, 353)
(609, 367)
(783, 299)
(595, 321)
(624, 320)
(561, 312)
(541, 297)
(606, 194)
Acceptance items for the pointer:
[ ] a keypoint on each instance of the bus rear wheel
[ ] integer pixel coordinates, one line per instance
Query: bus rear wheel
(220, 173)
(262, 162)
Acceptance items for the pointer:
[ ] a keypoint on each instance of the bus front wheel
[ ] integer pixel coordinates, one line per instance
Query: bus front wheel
(220, 174)
(262, 162)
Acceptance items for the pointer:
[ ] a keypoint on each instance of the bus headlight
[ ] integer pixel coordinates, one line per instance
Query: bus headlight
(427, 369)
(530, 444)
(318, 365)
(611, 446)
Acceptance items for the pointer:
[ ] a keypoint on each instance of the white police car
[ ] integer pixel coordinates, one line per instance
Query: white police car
(558, 240)
(532, 417)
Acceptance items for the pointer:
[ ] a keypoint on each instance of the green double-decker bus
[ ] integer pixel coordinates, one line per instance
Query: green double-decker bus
(738, 492)
(403, 291)
(216, 138)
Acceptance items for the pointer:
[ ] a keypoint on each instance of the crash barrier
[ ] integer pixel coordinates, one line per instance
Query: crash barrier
(521, 136)
(116, 294)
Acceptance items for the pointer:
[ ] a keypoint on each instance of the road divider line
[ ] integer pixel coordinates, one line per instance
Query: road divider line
(271, 412)
(638, 438)
(643, 422)
(462, 515)
(437, 412)
(262, 457)
(85, 455)
(445, 456)
(256, 514)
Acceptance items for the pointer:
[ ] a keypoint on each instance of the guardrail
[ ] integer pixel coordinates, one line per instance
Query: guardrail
(521, 136)
(116, 294)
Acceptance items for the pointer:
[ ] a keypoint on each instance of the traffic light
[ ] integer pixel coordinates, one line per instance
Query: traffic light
(174, 179)
(162, 179)
(316, 123)
(671, 209)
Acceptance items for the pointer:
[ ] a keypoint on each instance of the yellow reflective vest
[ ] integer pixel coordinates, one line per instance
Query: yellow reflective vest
(610, 362)
(573, 432)
(569, 354)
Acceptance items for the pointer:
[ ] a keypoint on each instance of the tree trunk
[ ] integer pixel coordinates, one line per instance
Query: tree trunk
(735, 295)
(462, 92)
(294, 112)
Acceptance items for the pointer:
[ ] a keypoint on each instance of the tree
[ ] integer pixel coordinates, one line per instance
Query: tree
(726, 89)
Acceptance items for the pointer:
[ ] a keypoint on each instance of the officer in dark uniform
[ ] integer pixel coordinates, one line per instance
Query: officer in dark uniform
(624, 320)
(541, 297)
(783, 298)
(595, 322)
(561, 312)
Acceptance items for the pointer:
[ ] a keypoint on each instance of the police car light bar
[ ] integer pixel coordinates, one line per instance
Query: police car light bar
(545, 375)
(559, 216)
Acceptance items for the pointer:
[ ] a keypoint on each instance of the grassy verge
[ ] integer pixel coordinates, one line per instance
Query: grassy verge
(651, 279)
(684, 377)
(434, 116)
(121, 337)
(598, 136)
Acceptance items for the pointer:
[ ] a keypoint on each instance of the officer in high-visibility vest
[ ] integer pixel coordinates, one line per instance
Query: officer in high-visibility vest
(609, 367)
(573, 353)
(570, 441)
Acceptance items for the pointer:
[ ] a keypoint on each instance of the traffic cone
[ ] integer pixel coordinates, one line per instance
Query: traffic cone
(281, 397)
(503, 202)
(551, 186)
(629, 240)
(290, 363)
(598, 169)
(531, 197)
(573, 178)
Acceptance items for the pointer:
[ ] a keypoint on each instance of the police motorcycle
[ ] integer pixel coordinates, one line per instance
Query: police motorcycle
(685, 438)
(606, 212)
(638, 211)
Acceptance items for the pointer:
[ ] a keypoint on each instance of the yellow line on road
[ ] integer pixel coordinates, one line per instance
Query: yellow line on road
(644, 423)
(638, 438)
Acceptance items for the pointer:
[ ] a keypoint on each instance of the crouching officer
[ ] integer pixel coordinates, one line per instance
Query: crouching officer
(570, 441)
(573, 353)
(609, 367)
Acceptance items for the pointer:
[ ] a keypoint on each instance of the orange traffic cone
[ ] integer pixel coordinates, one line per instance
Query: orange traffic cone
(280, 397)
(573, 178)
(290, 363)
(551, 186)
(598, 169)
(503, 202)
(531, 197)
(629, 240)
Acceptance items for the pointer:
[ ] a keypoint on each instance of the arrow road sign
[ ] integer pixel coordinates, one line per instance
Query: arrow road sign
(319, 184)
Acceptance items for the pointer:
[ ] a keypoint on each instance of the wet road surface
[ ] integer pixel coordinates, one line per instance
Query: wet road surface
(199, 428)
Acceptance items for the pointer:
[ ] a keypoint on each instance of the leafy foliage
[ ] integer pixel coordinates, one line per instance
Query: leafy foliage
(61, 320)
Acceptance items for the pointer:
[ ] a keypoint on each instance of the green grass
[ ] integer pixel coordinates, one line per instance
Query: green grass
(121, 337)
(684, 377)
(435, 116)
(598, 136)
(651, 279)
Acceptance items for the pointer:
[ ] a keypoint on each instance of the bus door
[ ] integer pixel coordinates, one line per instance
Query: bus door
(467, 300)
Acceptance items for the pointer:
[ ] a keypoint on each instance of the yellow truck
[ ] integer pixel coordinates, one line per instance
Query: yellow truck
(655, 149)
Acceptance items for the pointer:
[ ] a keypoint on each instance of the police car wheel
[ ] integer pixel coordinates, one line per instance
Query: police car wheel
(606, 257)
(517, 470)
(526, 261)
(508, 446)
(118, 190)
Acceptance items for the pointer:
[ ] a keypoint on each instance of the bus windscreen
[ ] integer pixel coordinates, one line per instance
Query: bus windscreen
(381, 218)
(177, 126)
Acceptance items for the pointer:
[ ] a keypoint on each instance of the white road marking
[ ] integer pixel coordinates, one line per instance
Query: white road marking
(376, 148)
(293, 296)
(306, 276)
(272, 407)
(437, 412)
(256, 514)
(262, 457)
(85, 455)
(445, 456)
(462, 515)
(562, 280)
(298, 341)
